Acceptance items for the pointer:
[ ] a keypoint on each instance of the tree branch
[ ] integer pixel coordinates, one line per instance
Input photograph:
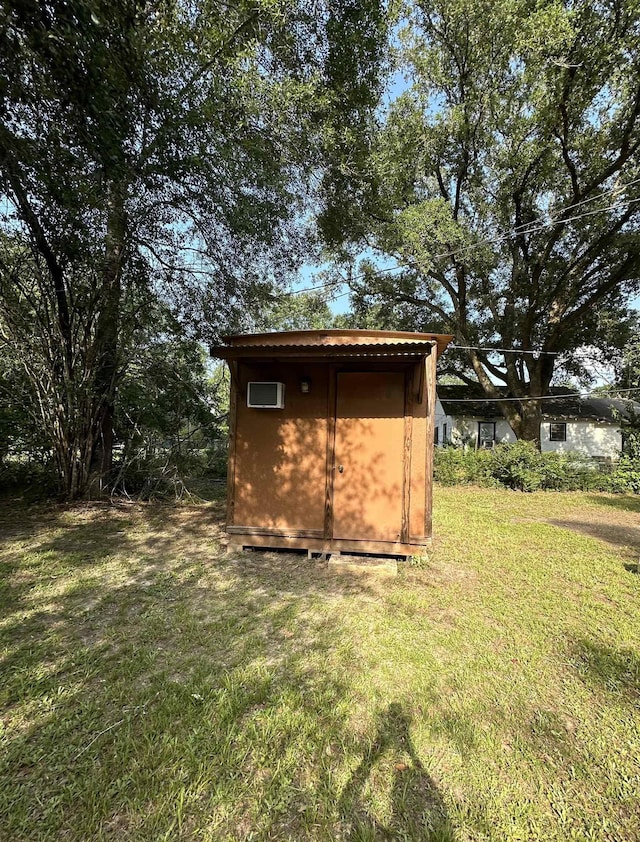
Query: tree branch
(202, 71)
(15, 181)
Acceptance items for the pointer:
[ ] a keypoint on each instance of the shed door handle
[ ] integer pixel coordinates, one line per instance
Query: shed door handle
(340, 468)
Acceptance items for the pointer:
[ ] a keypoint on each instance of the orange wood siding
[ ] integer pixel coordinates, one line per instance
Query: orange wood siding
(280, 453)
(368, 494)
(430, 392)
(418, 464)
(371, 412)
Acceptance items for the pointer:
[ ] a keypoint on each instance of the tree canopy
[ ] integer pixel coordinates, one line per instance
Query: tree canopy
(159, 149)
(504, 181)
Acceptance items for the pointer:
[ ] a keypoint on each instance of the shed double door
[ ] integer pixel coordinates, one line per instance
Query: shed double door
(369, 447)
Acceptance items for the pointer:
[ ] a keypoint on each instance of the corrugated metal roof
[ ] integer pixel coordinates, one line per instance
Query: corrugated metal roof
(334, 344)
(330, 342)
(337, 347)
(387, 349)
(332, 336)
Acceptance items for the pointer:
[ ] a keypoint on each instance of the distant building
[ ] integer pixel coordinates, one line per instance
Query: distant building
(589, 425)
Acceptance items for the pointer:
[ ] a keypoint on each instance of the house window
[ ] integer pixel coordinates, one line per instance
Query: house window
(486, 434)
(557, 432)
(436, 432)
(444, 434)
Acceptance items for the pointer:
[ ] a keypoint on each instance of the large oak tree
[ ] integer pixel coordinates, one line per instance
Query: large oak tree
(157, 148)
(504, 182)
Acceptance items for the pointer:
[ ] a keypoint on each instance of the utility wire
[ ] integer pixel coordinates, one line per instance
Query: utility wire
(617, 188)
(526, 228)
(544, 397)
(320, 286)
(504, 350)
(541, 227)
(343, 281)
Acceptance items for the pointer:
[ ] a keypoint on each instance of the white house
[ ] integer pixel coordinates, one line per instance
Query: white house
(571, 423)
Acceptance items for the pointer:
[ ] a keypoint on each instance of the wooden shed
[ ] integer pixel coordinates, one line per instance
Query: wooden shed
(331, 440)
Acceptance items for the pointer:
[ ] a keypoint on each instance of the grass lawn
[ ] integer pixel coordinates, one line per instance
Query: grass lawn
(152, 688)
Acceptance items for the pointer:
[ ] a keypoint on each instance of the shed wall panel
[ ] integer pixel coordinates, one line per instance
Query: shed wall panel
(368, 492)
(280, 453)
(419, 465)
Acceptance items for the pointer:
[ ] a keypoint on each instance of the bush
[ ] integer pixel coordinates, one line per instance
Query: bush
(522, 467)
(34, 480)
(455, 466)
(626, 476)
(168, 469)
(519, 466)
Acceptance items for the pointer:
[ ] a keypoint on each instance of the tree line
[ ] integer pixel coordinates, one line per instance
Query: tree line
(168, 166)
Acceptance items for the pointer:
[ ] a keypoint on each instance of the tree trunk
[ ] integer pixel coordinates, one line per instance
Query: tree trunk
(106, 356)
(524, 418)
(524, 414)
(72, 451)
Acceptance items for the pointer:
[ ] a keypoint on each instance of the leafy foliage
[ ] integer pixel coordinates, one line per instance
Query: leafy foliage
(505, 183)
(158, 148)
(18, 430)
(170, 420)
(460, 466)
(295, 311)
(521, 467)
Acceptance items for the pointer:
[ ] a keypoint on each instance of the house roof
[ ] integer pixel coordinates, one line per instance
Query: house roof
(569, 404)
(331, 343)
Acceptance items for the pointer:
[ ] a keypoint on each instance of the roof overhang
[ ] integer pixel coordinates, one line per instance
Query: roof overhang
(332, 344)
(309, 352)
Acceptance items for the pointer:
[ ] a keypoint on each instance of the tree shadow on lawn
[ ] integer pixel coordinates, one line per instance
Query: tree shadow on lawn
(623, 535)
(615, 670)
(625, 502)
(191, 694)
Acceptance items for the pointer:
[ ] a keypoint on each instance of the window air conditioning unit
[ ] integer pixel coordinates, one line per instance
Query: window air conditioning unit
(265, 395)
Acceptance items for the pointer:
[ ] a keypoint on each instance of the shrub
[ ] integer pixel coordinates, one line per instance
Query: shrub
(168, 472)
(570, 472)
(456, 466)
(625, 476)
(519, 466)
(34, 480)
(522, 467)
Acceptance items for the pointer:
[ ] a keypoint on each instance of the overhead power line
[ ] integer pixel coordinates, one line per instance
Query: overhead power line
(526, 228)
(544, 225)
(505, 350)
(546, 397)
(315, 289)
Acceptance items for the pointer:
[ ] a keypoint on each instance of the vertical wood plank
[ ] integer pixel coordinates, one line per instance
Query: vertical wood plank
(418, 377)
(430, 394)
(331, 452)
(231, 464)
(406, 467)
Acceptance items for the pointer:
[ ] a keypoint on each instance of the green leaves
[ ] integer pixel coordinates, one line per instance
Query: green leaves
(505, 177)
(164, 149)
(428, 232)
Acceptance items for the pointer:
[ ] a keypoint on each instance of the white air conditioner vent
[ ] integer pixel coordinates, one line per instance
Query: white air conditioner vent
(265, 395)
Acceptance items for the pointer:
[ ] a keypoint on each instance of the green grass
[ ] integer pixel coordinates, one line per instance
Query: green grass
(152, 688)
